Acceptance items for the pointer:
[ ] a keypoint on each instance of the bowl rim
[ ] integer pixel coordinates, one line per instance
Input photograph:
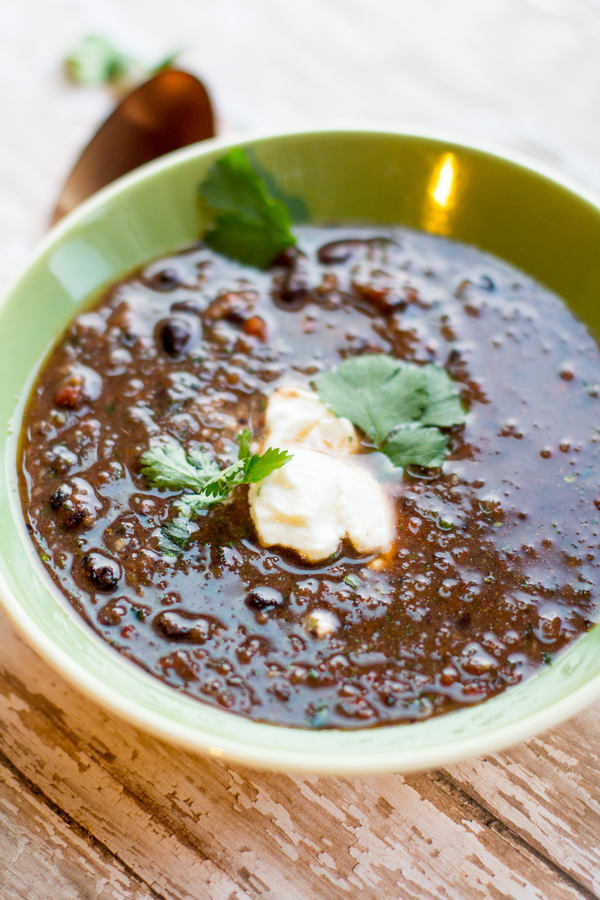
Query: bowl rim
(233, 750)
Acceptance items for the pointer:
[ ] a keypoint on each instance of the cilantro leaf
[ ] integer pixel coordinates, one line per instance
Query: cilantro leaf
(192, 505)
(295, 205)
(233, 186)
(223, 483)
(392, 402)
(252, 225)
(258, 467)
(374, 392)
(166, 465)
(204, 462)
(174, 535)
(250, 469)
(244, 438)
(255, 244)
(412, 444)
(444, 407)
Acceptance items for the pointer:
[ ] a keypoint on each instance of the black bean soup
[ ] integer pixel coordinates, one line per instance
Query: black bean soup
(495, 563)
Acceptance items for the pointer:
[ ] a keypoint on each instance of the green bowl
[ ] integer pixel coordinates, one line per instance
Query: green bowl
(497, 204)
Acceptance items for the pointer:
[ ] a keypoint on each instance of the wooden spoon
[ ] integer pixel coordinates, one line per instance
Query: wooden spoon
(169, 111)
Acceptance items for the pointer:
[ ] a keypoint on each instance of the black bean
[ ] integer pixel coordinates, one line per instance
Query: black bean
(176, 335)
(102, 571)
(186, 306)
(75, 518)
(165, 280)
(128, 339)
(336, 252)
(464, 621)
(340, 251)
(61, 458)
(263, 597)
(287, 259)
(176, 626)
(62, 493)
(293, 291)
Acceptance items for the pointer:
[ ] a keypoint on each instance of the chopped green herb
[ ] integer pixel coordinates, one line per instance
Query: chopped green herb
(445, 524)
(400, 406)
(251, 225)
(317, 713)
(96, 60)
(167, 465)
(174, 535)
(352, 581)
(244, 438)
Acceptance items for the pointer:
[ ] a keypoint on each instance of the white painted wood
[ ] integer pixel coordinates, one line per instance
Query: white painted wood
(42, 856)
(189, 826)
(548, 791)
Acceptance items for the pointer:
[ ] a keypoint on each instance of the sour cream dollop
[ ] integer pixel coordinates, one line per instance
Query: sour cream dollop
(321, 495)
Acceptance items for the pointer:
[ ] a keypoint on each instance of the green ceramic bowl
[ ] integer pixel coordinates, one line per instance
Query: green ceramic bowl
(534, 222)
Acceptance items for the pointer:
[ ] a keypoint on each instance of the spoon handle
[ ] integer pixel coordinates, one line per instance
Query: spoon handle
(171, 110)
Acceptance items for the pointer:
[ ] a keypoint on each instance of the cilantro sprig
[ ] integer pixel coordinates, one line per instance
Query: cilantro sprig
(400, 406)
(252, 225)
(174, 535)
(168, 466)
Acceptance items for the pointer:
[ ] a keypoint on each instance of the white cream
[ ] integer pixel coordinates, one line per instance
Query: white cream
(321, 495)
(320, 623)
(296, 417)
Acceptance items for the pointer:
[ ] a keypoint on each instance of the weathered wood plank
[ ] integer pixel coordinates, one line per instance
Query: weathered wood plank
(174, 818)
(42, 856)
(547, 791)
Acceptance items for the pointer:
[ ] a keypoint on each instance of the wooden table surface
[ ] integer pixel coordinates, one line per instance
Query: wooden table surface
(90, 807)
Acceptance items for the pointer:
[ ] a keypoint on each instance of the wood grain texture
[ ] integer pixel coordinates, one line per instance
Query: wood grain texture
(222, 830)
(35, 839)
(547, 790)
(89, 807)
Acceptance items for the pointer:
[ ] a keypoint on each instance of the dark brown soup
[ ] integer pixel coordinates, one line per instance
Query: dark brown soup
(496, 558)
